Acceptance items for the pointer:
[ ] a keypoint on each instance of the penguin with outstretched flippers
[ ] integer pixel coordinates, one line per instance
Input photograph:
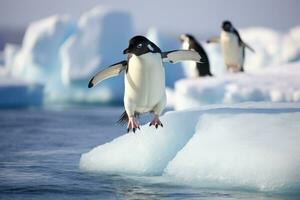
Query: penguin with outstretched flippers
(233, 47)
(144, 79)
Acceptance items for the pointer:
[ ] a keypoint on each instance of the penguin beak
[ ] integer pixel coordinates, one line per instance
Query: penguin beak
(126, 51)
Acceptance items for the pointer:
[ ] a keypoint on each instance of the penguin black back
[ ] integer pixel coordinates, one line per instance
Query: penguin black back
(203, 68)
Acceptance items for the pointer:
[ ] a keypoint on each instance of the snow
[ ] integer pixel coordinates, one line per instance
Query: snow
(274, 84)
(250, 145)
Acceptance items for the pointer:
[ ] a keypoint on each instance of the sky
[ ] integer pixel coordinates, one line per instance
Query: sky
(168, 16)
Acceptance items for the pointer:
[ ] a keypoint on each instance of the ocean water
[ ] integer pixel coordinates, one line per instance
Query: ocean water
(40, 151)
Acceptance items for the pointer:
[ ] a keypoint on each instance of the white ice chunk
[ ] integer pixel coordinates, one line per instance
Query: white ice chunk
(277, 84)
(146, 152)
(253, 146)
(255, 149)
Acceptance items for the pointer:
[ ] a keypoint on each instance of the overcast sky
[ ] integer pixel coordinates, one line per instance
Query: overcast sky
(170, 15)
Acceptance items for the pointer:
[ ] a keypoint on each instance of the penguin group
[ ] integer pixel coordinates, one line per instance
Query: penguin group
(144, 74)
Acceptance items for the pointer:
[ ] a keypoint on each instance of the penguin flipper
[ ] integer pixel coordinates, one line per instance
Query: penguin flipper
(181, 55)
(213, 40)
(111, 71)
(245, 45)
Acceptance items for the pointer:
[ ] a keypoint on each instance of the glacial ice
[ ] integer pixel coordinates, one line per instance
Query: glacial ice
(250, 145)
(101, 36)
(38, 58)
(62, 54)
(274, 84)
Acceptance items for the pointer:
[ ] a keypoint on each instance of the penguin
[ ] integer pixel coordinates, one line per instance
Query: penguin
(232, 46)
(189, 42)
(144, 79)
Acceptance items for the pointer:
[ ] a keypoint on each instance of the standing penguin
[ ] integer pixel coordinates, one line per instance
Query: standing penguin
(189, 42)
(233, 47)
(144, 79)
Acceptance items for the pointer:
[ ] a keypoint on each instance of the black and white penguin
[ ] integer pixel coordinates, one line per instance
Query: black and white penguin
(144, 79)
(233, 47)
(189, 42)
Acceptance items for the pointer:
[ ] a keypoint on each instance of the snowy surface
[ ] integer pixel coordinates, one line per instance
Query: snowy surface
(253, 145)
(275, 84)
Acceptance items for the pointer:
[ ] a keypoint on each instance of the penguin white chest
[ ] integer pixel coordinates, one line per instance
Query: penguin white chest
(144, 81)
(189, 67)
(232, 51)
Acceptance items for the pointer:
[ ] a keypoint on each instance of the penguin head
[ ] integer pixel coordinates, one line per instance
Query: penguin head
(139, 45)
(227, 26)
(186, 38)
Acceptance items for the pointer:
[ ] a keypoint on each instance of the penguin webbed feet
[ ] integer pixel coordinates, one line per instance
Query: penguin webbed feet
(156, 122)
(132, 124)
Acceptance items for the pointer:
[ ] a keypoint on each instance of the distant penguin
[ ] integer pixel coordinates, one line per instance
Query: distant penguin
(189, 42)
(233, 47)
(144, 79)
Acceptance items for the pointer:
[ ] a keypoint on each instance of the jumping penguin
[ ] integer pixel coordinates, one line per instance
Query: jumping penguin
(233, 47)
(144, 79)
(189, 42)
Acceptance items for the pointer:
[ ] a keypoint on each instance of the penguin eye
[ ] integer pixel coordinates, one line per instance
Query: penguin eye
(139, 45)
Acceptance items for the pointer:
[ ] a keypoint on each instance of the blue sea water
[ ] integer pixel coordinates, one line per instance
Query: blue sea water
(40, 151)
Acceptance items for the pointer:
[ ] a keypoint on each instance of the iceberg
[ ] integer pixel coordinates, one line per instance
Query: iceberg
(255, 149)
(274, 84)
(250, 145)
(98, 42)
(38, 59)
(291, 46)
(62, 53)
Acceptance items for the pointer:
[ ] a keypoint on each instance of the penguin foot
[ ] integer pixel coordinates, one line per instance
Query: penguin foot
(156, 122)
(132, 124)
